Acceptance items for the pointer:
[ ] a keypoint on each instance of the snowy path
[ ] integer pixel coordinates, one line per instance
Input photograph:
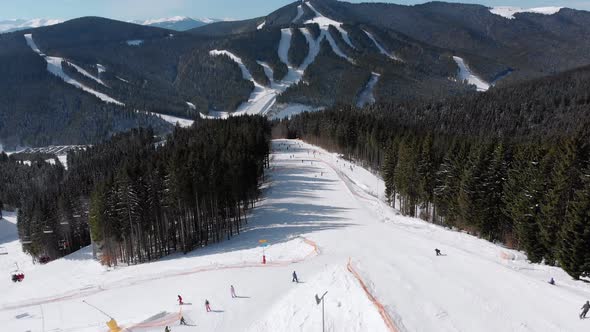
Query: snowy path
(380, 47)
(54, 66)
(337, 205)
(465, 74)
(366, 96)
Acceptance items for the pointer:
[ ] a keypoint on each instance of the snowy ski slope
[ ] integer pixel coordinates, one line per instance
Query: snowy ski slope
(54, 66)
(325, 218)
(465, 74)
(263, 99)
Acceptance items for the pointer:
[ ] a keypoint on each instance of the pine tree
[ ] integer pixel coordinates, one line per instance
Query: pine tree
(575, 233)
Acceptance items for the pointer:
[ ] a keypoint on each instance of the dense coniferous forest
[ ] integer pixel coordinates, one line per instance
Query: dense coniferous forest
(139, 197)
(511, 165)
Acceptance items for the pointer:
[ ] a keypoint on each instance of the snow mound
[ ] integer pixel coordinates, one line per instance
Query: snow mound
(509, 12)
(346, 306)
(54, 66)
(465, 74)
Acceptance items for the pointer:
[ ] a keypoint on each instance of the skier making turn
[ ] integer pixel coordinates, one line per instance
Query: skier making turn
(295, 279)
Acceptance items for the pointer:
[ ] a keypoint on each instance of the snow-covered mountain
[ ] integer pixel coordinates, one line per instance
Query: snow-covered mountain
(178, 23)
(20, 24)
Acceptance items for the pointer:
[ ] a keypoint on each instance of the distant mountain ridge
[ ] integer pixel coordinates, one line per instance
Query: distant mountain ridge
(21, 24)
(178, 23)
(309, 55)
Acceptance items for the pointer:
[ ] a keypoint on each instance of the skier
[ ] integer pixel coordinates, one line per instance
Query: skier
(295, 279)
(167, 329)
(552, 282)
(437, 251)
(585, 309)
(180, 300)
(182, 321)
(207, 307)
(233, 291)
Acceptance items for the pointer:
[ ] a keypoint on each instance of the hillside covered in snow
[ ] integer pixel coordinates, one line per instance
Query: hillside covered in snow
(324, 218)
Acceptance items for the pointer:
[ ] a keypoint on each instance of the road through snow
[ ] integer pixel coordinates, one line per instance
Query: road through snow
(313, 194)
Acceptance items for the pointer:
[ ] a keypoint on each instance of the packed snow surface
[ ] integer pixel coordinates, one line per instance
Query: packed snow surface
(509, 12)
(366, 96)
(324, 218)
(54, 66)
(465, 74)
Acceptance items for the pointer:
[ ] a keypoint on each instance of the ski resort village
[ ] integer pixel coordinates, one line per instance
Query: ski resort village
(313, 165)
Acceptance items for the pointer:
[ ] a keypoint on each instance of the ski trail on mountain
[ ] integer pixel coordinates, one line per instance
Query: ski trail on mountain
(465, 74)
(261, 99)
(325, 22)
(54, 66)
(367, 96)
(380, 47)
(299, 14)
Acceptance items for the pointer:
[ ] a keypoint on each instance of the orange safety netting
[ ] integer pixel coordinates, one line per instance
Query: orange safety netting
(386, 318)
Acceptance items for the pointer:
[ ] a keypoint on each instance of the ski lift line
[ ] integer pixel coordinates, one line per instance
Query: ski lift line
(102, 312)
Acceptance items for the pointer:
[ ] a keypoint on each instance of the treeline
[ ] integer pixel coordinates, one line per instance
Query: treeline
(531, 194)
(50, 218)
(144, 198)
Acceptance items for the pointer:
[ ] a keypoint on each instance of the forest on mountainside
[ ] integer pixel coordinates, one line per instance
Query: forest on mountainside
(140, 198)
(510, 165)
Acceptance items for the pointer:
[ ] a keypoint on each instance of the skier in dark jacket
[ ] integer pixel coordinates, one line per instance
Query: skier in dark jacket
(207, 307)
(180, 300)
(295, 279)
(167, 329)
(437, 251)
(585, 309)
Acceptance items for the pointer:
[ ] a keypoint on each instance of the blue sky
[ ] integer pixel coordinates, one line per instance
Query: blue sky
(237, 9)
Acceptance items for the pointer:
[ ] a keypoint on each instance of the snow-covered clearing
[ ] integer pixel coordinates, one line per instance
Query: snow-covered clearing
(54, 66)
(381, 48)
(366, 96)
(175, 120)
(509, 12)
(465, 74)
(319, 213)
(261, 26)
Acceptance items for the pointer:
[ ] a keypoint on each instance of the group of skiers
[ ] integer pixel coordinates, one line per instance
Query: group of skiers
(232, 291)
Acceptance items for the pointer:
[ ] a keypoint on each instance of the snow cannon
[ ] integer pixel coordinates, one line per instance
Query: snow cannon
(113, 326)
